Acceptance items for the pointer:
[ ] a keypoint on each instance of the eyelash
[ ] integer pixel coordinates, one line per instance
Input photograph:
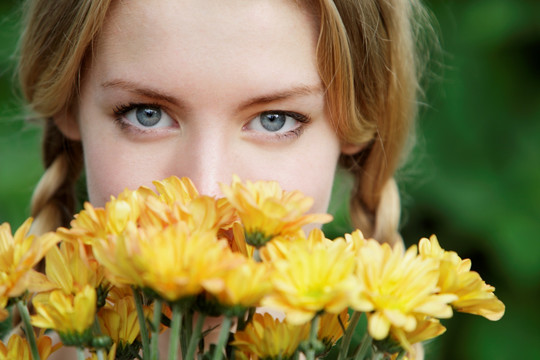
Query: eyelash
(122, 109)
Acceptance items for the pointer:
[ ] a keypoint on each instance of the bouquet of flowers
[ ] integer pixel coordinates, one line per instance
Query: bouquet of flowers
(233, 277)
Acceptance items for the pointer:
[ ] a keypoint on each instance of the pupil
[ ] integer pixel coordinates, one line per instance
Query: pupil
(273, 122)
(148, 116)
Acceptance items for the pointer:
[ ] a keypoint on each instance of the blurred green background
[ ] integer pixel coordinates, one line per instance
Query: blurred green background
(473, 179)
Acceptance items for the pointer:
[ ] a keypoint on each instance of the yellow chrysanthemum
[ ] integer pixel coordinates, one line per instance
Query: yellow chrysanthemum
(308, 281)
(243, 285)
(267, 211)
(18, 348)
(238, 242)
(120, 322)
(269, 338)
(110, 355)
(176, 190)
(355, 241)
(70, 270)
(281, 246)
(18, 255)
(474, 296)
(399, 287)
(203, 213)
(426, 328)
(173, 262)
(187, 205)
(67, 314)
(331, 329)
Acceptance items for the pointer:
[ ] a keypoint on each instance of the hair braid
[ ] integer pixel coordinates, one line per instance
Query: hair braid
(54, 200)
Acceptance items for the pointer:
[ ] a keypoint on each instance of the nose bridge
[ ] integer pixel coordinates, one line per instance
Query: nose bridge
(208, 159)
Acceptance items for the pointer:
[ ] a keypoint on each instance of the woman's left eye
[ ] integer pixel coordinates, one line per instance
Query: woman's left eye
(277, 122)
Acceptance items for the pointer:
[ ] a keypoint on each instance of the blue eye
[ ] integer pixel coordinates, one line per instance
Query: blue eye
(148, 116)
(272, 122)
(277, 122)
(144, 116)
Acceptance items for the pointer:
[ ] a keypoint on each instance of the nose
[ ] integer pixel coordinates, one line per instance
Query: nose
(207, 159)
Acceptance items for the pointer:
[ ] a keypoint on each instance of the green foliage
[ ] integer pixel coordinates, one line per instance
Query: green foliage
(474, 178)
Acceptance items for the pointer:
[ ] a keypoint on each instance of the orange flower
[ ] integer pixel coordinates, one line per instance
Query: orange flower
(18, 348)
(331, 329)
(70, 270)
(267, 211)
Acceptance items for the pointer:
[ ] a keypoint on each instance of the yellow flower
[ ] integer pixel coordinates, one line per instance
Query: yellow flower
(173, 190)
(281, 246)
(474, 296)
(120, 322)
(238, 242)
(184, 199)
(174, 262)
(399, 287)
(18, 348)
(70, 270)
(111, 354)
(67, 314)
(355, 241)
(426, 328)
(269, 338)
(267, 211)
(18, 255)
(331, 329)
(204, 213)
(243, 285)
(308, 281)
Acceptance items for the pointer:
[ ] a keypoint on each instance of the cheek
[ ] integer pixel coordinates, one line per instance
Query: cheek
(112, 166)
(314, 176)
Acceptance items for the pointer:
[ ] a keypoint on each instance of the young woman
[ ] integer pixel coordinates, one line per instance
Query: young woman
(134, 91)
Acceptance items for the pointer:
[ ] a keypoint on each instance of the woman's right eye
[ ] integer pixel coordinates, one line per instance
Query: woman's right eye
(144, 116)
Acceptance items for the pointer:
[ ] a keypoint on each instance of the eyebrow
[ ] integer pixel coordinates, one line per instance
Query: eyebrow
(296, 91)
(146, 92)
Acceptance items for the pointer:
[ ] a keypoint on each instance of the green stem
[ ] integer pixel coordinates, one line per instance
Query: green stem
(195, 337)
(223, 336)
(142, 324)
(100, 354)
(251, 313)
(176, 325)
(187, 332)
(362, 351)
(257, 255)
(80, 353)
(310, 354)
(346, 342)
(23, 310)
(156, 322)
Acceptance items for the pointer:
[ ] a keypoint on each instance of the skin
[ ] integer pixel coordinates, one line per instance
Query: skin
(211, 68)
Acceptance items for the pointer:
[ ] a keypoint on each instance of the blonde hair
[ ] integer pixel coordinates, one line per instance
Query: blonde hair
(367, 61)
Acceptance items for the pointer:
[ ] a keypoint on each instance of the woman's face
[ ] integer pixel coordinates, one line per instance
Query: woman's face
(205, 89)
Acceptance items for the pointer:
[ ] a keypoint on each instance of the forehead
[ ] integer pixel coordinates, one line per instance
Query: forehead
(208, 37)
